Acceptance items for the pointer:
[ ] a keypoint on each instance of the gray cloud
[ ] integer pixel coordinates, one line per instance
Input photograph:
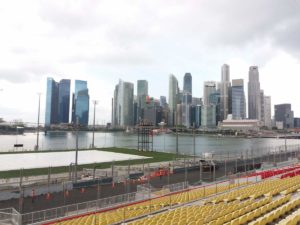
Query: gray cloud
(26, 74)
(14, 76)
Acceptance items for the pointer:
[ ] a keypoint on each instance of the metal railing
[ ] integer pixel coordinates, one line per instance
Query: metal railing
(80, 208)
(10, 216)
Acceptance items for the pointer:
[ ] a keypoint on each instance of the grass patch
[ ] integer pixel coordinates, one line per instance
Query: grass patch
(155, 157)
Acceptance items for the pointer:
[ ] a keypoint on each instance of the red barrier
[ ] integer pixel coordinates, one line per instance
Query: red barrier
(274, 172)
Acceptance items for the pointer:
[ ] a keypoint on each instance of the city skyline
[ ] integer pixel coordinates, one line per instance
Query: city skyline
(37, 44)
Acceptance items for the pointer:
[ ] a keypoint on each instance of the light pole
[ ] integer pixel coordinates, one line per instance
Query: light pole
(95, 102)
(38, 123)
(76, 153)
(162, 125)
(194, 143)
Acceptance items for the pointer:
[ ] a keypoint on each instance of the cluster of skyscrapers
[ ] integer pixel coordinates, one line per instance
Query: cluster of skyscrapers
(222, 102)
(58, 102)
(219, 100)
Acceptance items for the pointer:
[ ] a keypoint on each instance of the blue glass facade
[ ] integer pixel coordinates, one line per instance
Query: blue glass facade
(51, 115)
(238, 102)
(64, 101)
(81, 103)
(187, 83)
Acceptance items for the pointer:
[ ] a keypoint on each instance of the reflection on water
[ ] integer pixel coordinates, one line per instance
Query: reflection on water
(167, 142)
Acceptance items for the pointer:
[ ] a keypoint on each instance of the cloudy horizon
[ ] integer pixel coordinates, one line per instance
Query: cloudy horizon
(104, 41)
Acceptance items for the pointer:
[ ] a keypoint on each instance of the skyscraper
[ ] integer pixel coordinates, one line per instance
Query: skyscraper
(187, 83)
(64, 101)
(57, 101)
(208, 116)
(142, 93)
(267, 113)
(142, 87)
(173, 91)
(163, 101)
(186, 104)
(81, 103)
(210, 103)
(115, 120)
(198, 116)
(51, 115)
(224, 92)
(238, 99)
(209, 88)
(123, 104)
(254, 98)
(284, 113)
(186, 100)
(262, 107)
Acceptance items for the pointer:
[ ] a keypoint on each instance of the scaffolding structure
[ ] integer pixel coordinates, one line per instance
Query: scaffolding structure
(145, 136)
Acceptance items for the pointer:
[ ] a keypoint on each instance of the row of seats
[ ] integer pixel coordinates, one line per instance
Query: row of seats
(268, 188)
(232, 202)
(258, 212)
(292, 219)
(230, 212)
(206, 214)
(291, 174)
(150, 206)
(277, 213)
(274, 172)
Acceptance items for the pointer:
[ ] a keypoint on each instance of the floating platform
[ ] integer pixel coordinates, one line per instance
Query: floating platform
(35, 160)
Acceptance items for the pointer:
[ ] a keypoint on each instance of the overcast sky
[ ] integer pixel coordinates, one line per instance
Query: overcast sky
(103, 41)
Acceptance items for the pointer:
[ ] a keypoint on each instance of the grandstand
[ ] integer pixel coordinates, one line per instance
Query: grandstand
(268, 197)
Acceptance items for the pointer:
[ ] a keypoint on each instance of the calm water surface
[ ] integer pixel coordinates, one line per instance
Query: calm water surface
(167, 142)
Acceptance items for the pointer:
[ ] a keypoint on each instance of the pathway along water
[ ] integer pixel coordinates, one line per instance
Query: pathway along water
(167, 142)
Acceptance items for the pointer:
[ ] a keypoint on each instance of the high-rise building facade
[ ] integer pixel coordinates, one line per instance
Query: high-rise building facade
(81, 103)
(186, 100)
(225, 92)
(198, 116)
(197, 101)
(64, 100)
(115, 120)
(57, 101)
(284, 113)
(142, 87)
(254, 98)
(238, 99)
(51, 115)
(267, 112)
(142, 93)
(186, 104)
(209, 88)
(262, 107)
(178, 115)
(187, 83)
(208, 116)
(163, 101)
(123, 104)
(173, 97)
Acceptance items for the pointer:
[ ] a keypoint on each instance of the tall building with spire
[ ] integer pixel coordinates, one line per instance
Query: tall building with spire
(187, 83)
(225, 92)
(254, 97)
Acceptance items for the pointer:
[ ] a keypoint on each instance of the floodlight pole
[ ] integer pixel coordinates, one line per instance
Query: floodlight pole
(38, 124)
(76, 154)
(95, 102)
